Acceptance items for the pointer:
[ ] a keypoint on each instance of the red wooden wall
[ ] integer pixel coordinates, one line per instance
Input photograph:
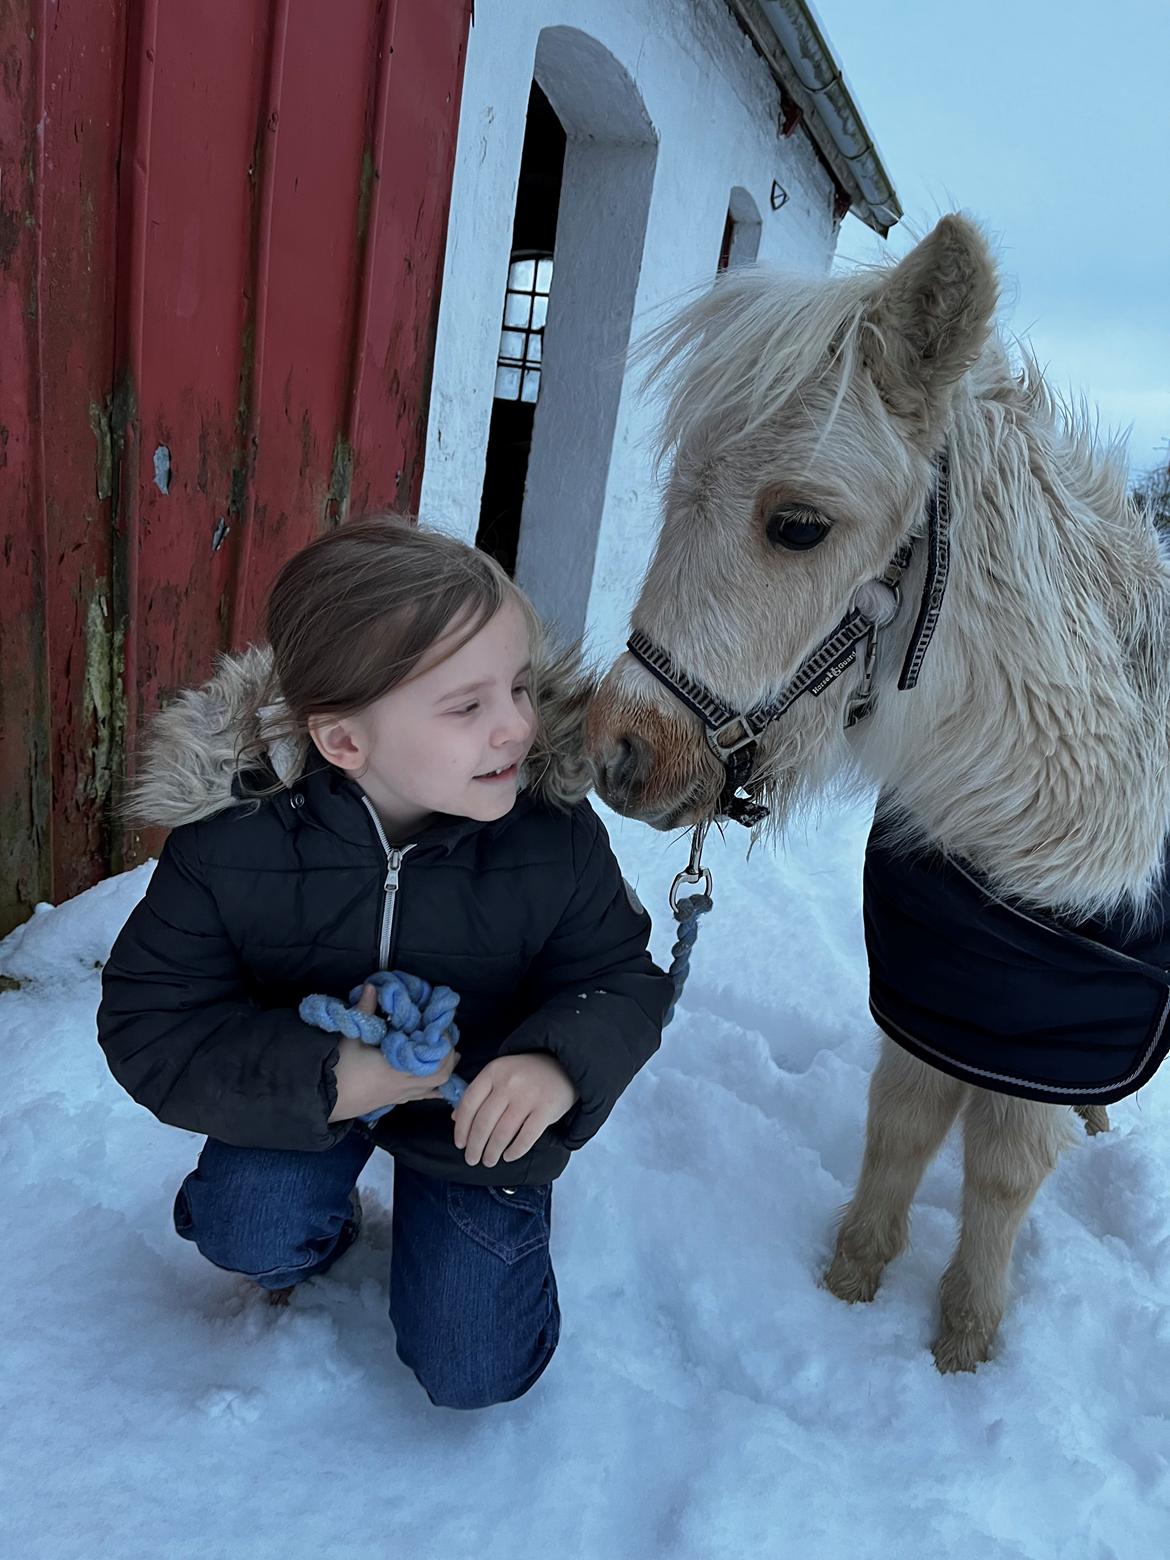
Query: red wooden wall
(222, 226)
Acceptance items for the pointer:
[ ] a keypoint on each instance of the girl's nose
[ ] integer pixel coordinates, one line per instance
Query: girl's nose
(516, 726)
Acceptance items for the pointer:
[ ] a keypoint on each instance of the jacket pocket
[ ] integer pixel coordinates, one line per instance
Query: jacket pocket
(510, 1222)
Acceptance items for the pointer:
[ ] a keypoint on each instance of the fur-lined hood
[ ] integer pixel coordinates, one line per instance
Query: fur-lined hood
(191, 756)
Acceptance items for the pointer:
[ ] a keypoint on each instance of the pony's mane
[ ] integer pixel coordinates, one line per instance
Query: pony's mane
(1093, 464)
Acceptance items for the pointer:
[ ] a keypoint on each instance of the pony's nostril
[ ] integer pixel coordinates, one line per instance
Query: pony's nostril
(621, 766)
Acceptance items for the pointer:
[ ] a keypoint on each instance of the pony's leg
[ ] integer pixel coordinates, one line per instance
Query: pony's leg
(1095, 1118)
(1010, 1146)
(911, 1108)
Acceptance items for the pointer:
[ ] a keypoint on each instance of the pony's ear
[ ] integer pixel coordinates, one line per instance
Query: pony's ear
(929, 321)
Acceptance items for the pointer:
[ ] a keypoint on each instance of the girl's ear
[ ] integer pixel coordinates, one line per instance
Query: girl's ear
(336, 741)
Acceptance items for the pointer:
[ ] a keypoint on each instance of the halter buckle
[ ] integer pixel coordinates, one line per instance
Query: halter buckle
(729, 738)
(861, 703)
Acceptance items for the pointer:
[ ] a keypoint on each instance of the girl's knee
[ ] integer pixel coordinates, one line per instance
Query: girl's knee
(273, 1244)
(267, 1255)
(478, 1367)
(453, 1382)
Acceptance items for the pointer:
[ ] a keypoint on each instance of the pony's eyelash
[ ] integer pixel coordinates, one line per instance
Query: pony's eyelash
(796, 527)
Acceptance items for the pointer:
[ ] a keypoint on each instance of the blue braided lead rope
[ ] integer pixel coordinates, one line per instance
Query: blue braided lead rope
(687, 913)
(415, 1035)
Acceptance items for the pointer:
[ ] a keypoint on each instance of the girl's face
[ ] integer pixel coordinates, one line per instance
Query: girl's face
(451, 739)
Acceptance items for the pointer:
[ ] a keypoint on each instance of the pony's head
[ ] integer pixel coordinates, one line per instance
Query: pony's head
(799, 430)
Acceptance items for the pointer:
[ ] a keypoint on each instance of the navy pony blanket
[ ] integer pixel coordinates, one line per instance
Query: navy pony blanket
(1006, 997)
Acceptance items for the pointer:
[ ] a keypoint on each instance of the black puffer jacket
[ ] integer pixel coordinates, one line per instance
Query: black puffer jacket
(528, 919)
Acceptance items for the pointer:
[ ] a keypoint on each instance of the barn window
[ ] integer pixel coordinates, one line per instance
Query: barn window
(522, 336)
(741, 231)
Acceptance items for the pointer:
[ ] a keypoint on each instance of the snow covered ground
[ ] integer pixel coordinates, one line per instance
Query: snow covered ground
(708, 1400)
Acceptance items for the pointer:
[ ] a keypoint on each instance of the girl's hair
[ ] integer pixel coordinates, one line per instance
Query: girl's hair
(352, 615)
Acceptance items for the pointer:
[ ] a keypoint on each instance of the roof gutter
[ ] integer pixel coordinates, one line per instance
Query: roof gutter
(791, 39)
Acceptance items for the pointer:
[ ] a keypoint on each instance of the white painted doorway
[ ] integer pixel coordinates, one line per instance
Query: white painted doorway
(610, 155)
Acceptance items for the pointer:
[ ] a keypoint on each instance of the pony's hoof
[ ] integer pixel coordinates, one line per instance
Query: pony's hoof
(852, 1281)
(960, 1351)
(1095, 1118)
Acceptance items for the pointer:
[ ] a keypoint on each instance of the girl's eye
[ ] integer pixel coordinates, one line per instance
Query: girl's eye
(521, 691)
(468, 709)
(796, 528)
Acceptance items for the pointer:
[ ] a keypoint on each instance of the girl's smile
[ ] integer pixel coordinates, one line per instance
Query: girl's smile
(510, 773)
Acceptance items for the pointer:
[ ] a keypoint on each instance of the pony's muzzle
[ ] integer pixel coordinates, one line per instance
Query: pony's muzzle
(649, 763)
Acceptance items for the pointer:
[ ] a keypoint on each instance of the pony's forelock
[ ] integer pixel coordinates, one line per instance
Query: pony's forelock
(734, 357)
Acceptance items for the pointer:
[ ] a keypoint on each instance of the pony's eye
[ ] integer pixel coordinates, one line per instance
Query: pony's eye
(796, 528)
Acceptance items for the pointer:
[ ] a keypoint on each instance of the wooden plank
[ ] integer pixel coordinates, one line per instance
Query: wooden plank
(59, 98)
(192, 145)
(25, 858)
(84, 43)
(418, 123)
(306, 288)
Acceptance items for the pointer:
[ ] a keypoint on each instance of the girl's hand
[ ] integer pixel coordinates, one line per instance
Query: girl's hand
(366, 1081)
(508, 1105)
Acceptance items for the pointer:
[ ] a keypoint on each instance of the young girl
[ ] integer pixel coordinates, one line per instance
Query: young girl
(384, 790)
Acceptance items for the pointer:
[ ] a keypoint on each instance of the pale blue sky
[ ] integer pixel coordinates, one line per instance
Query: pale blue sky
(1047, 120)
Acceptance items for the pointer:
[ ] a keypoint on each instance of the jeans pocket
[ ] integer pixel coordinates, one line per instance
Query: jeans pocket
(509, 1222)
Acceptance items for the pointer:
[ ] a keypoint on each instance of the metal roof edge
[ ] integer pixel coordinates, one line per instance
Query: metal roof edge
(792, 39)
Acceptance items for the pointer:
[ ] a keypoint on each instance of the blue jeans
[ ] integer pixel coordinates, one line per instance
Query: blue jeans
(473, 1298)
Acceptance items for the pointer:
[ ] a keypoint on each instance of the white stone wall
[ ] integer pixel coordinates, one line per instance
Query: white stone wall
(714, 109)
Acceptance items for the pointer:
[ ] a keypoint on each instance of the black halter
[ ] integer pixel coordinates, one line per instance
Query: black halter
(734, 734)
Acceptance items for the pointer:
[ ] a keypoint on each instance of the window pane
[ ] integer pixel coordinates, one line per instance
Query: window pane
(517, 307)
(543, 275)
(539, 312)
(507, 384)
(512, 344)
(521, 274)
(531, 384)
(534, 345)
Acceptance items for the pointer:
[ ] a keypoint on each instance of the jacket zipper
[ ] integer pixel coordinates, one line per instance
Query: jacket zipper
(394, 859)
